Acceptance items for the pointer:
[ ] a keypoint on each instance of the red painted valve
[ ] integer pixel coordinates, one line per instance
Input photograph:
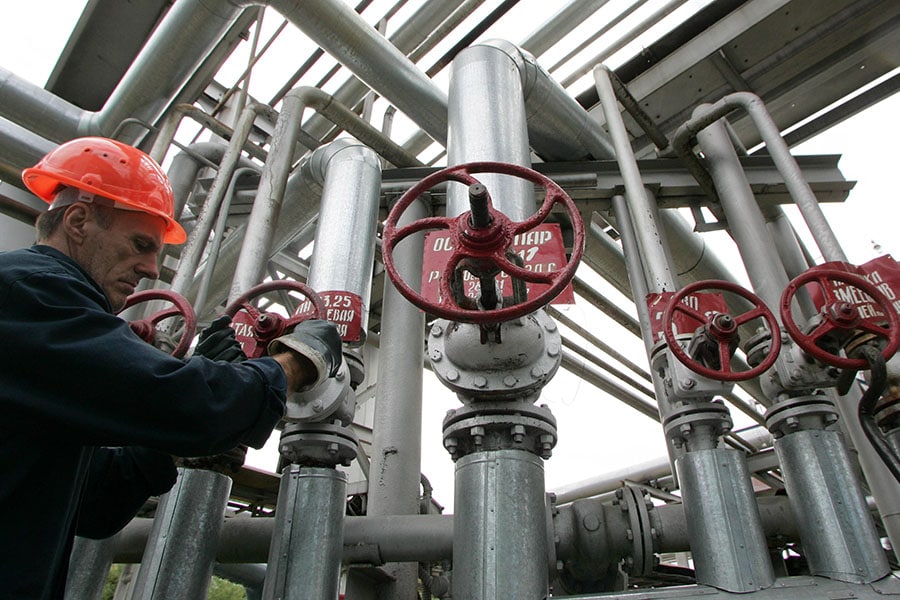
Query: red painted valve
(255, 329)
(722, 331)
(146, 328)
(840, 317)
(481, 240)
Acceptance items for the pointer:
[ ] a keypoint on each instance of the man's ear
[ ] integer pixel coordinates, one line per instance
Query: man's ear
(75, 221)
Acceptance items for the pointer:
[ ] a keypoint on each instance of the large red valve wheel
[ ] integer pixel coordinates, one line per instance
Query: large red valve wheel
(146, 328)
(485, 247)
(839, 316)
(268, 326)
(723, 330)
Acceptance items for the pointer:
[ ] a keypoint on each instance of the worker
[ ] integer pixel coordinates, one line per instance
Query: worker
(90, 415)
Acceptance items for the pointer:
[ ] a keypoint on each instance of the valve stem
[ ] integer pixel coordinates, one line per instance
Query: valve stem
(478, 201)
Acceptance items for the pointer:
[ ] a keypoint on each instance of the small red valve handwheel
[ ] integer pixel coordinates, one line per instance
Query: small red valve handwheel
(146, 328)
(265, 327)
(839, 315)
(722, 329)
(484, 248)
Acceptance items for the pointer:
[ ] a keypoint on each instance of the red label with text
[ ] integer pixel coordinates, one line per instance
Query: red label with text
(541, 250)
(344, 309)
(882, 272)
(705, 303)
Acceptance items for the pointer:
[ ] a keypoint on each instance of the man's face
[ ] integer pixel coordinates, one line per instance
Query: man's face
(118, 254)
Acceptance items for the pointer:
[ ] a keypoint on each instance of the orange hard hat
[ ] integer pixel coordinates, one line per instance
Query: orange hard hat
(109, 169)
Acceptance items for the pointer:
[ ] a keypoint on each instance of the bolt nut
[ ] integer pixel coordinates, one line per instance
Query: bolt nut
(452, 375)
(518, 433)
(537, 372)
(436, 355)
(689, 383)
(437, 330)
(479, 381)
(510, 380)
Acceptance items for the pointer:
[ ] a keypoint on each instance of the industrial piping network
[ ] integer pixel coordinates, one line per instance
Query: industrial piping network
(498, 349)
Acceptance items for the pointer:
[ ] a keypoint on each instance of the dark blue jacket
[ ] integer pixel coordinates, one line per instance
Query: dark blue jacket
(89, 414)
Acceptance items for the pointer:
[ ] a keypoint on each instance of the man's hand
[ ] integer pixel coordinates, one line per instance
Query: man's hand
(318, 343)
(218, 342)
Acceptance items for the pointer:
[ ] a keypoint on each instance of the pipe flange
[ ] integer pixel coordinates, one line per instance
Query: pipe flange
(521, 364)
(639, 532)
(328, 401)
(318, 444)
(694, 418)
(500, 426)
(800, 413)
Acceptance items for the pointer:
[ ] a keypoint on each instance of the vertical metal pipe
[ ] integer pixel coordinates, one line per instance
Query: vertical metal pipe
(348, 216)
(836, 529)
(726, 536)
(305, 555)
(498, 552)
(644, 215)
(396, 453)
(178, 560)
(745, 220)
(192, 251)
(487, 113)
(269, 197)
(89, 567)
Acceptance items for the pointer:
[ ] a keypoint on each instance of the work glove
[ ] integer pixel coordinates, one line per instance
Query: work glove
(316, 340)
(218, 342)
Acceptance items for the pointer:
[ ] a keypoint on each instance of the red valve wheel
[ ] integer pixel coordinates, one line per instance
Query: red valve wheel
(839, 315)
(146, 328)
(486, 248)
(723, 329)
(265, 327)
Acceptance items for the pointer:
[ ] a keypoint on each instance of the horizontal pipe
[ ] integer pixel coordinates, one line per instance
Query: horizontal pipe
(372, 540)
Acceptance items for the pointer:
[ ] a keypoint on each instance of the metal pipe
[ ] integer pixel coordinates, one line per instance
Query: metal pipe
(661, 12)
(654, 254)
(192, 251)
(745, 220)
(819, 480)
(396, 452)
(411, 36)
(726, 535)
(797, 186)
(335, 26)
(19, 147)
(305, 555)
(215, 244)
(337, 113)
(178, 560)
(560, 24)
(89, 567)
(260, 230)
(488, 116)
(369, 539)
(500, 551)
(345, 236)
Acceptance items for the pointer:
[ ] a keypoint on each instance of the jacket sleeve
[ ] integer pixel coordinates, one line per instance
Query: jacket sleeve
(81, 370)
(118, 483)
